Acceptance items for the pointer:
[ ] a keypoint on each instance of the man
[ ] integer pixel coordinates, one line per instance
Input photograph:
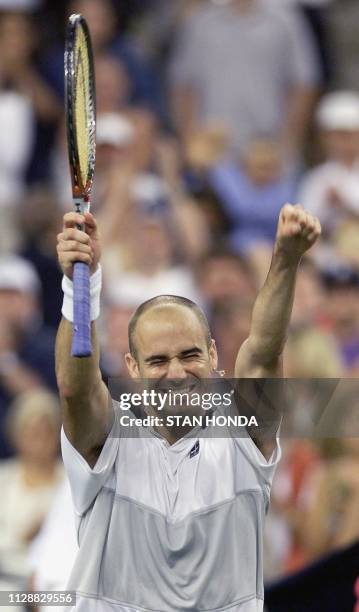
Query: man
(168, 523)
(230, 56)
(26, 345)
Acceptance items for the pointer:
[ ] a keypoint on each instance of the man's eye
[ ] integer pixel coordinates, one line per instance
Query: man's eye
(157, 362)
(190, 356)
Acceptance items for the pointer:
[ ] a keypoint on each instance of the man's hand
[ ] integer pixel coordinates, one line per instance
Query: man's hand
(297, 232)
(74, 245)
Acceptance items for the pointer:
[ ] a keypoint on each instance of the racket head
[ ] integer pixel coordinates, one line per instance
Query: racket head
(80, 106)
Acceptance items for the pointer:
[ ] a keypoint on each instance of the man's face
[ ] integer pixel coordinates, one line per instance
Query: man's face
(16, 307)
(223, 278)
(342, 145)
(171, 344)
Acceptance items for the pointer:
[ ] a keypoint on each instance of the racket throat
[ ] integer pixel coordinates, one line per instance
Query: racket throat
(82, 205)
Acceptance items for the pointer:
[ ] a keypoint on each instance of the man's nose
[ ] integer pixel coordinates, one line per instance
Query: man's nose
(176, 370)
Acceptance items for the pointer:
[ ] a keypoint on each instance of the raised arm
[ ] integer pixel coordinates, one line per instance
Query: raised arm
(260, 356)
(86, 404)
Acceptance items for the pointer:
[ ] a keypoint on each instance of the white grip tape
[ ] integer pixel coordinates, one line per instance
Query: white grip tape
(95, 293)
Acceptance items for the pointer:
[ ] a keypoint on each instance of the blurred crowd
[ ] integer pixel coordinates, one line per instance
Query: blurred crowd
(211, 114)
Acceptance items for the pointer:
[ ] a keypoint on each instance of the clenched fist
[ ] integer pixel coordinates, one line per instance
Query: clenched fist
(75, 245)
(297, 231)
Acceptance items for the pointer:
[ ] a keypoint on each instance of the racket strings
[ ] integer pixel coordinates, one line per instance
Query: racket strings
(84, 107)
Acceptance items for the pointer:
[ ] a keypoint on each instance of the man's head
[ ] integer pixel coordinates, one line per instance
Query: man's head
(169, 337)
(101, 18)
(338, 118)
(19, 290)
(224, 275)
(113, 84)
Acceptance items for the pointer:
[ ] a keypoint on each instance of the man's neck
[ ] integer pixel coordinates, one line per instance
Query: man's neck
(173, 434)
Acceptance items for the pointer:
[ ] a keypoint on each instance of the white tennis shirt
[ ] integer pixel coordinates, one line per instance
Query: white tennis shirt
(170, 528)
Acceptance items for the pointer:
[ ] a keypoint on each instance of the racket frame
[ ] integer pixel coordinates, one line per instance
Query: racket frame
(81, 190)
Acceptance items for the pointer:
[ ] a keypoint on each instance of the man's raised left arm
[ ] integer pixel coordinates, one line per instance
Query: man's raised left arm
(260, 356)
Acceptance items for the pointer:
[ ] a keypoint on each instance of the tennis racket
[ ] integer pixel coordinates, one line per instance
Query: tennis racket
(80, 108)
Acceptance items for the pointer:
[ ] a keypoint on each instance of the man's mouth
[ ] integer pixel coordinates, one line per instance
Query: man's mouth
(179, 388)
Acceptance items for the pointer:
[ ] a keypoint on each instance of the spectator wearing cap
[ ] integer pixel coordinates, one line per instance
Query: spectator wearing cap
(331, 190)
(250, 65)
(115, 136)
(26, 346)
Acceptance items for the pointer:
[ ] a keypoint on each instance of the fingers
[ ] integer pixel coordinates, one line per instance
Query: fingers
(74, 234)
(299, 221)
(90, 221)
(73, 219)
(312, 237)
(74, 245)
(68, 258)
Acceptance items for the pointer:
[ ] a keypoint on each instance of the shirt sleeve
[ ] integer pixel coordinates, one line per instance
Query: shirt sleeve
(265, 468)
(86, 482)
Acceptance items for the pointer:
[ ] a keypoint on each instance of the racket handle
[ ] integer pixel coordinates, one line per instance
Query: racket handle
(81, 339)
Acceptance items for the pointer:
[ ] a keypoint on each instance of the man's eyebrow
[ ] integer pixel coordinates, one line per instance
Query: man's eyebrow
(194, 349)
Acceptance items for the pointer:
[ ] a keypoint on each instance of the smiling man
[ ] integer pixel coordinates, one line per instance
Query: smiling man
(170, 522)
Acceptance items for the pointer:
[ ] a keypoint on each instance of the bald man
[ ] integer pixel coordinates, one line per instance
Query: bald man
(170, 522)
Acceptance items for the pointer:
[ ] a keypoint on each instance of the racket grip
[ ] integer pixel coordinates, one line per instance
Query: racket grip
(81, 339)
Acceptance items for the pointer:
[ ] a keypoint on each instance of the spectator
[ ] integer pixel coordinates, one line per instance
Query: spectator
(147, 266)
(299, 458)
(29, 479)
(312, 349)
(230, 323)
(232, 56)
(115, 136)
(331, 190)
(40, 223)
(17, 133)
(158, 23)
(343, 314)
(112, 84)
(51, 569)
(16, 144)
(222, 275)
(104, 29)
(114, 337)
(26, 346)
(137, 202)
(20, 75)
(330, 504)
(312, 353)
(252, 193)
(344, 44)
(21, 5)
(310, 299)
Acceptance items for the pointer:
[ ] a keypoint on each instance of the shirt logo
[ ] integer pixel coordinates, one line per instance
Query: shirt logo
(194, 450)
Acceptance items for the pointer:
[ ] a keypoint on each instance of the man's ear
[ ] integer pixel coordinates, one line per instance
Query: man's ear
(132, 366)
(213, 355)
